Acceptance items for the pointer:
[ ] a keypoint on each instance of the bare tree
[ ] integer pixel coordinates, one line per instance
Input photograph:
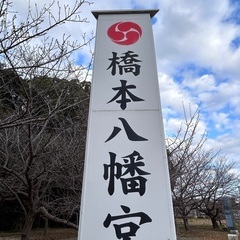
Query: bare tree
(217, 181)
(43, 118)
(199, 178)
(28, 51)
(41, 163)
(185, 161)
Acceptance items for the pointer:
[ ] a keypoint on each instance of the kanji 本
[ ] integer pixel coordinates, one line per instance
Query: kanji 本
(130, 225)
(129, 131)
(126, 63)
(123, 92)
(129, 173)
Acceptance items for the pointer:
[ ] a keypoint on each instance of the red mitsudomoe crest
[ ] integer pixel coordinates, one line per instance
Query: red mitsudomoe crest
(124, 33)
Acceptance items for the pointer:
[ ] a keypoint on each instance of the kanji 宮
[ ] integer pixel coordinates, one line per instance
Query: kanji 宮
(130, 225)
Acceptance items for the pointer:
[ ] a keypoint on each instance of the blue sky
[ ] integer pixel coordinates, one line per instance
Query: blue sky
(197, 46)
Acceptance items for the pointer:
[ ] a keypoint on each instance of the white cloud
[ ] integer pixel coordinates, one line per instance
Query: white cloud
(204, 83)
(186, 32)
(177, 106)
(173, 95)
(195, 31)
(227, 144)
(221, 120)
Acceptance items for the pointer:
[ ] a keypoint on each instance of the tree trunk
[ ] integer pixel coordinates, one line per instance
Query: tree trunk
(214, 222)
(185, 221)
(56, 219)
(28, 225)
(45, 228)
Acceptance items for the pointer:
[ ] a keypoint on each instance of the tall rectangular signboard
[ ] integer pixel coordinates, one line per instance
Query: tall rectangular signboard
(126, 190)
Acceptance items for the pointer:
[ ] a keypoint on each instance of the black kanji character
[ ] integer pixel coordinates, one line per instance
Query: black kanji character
(123, 91)
(133, 164)
(126, 63)
(129, 131)
(120, 229)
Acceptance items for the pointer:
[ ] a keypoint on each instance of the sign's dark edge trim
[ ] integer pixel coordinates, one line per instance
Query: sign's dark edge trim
(96, 13)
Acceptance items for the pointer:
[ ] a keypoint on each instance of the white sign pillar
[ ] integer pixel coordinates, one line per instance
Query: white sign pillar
(126, 190)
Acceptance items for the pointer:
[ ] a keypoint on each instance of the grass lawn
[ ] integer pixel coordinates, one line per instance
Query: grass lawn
(201, 229)
(37, 234)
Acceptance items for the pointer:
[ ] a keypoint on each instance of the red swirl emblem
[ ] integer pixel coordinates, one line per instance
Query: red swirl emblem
(124, 33)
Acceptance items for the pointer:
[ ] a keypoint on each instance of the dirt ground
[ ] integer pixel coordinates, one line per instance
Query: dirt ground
(199, 229)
